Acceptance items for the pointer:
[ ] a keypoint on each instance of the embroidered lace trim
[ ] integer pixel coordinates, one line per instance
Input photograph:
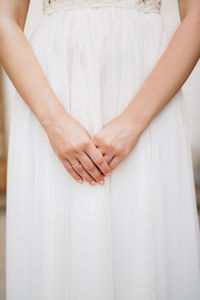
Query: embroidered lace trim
(146, 6)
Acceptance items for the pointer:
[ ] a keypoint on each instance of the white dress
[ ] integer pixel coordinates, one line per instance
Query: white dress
(137, 236)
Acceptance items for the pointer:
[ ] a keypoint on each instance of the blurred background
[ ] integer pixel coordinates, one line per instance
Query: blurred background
(191, 91)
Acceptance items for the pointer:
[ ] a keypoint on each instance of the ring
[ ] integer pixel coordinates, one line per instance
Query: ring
(75, 164)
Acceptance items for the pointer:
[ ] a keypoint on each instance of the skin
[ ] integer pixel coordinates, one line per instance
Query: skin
(117, 138)
(100, 155)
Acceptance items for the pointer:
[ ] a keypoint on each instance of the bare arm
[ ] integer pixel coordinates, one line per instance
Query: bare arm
(38, 95)
(167, 77)
(172, 69)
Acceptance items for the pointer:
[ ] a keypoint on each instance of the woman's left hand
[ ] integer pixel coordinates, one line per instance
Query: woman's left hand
(116, 139)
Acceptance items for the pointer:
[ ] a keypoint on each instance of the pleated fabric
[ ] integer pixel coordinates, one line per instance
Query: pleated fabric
(135, 237)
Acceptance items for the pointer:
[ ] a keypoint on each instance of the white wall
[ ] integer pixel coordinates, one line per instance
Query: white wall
(191, 88)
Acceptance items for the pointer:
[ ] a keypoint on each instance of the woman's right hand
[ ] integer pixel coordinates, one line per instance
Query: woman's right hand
(72, 144)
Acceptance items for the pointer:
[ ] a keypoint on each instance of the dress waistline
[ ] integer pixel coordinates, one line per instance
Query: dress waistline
(145, 6)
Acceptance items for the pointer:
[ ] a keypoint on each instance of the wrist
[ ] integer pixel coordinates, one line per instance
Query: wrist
(52, 115)
(139, 119)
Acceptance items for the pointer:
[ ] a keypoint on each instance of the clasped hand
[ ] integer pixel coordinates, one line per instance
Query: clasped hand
(91, 159)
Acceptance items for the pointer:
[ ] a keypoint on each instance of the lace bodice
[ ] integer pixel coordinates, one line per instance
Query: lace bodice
(146, 6)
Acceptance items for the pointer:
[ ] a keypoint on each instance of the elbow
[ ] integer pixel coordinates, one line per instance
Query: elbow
(5, 20)
(193, 15)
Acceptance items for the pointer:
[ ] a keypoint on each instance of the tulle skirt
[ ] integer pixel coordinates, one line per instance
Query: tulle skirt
(135, 237)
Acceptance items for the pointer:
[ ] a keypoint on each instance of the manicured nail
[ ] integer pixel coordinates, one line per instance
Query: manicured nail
(80, 180)
(108, 174)
(93, 183)
(101, 182)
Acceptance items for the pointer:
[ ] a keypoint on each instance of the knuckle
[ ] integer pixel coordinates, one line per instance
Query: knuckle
(99, 160)
(79, 168)
(116, 148)
(90, 167)
(98, 175)
(120, 155)
(97, 138)
(74, 149)
(106, 145)
(70, 168)
(63, 152)
(88, 178)
(85, 144)
(119, 151)
(109, 147)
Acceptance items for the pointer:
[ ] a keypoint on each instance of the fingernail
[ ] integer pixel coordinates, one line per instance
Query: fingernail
(93, 183)
(108, 174)
(80, 180)
(101, 182)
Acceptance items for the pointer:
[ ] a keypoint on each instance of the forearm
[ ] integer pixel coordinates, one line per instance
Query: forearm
(22, 67)
(169, 74)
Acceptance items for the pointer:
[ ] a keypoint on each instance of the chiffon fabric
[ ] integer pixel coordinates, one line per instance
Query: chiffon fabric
(135, 237)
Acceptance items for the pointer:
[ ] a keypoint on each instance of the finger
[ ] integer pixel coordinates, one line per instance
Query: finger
(108, 157)
(101, 149)
(114, 162)
(91, 168)
(71, 171)
(98, 159)
(78, 167)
